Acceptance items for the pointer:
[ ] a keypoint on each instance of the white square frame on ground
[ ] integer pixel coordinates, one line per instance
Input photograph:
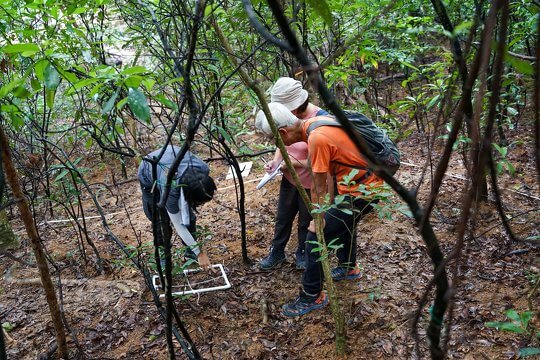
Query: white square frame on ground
(227, 284)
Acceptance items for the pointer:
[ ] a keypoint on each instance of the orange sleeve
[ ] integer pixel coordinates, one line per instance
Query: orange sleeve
(319, 153)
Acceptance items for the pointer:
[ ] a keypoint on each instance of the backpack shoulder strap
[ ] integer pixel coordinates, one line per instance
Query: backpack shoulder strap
(319, 123)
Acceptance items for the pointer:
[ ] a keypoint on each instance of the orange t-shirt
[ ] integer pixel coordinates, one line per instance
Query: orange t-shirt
(328, 146)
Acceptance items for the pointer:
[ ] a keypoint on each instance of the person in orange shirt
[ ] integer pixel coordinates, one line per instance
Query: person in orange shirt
(331, 153)
(291, 94)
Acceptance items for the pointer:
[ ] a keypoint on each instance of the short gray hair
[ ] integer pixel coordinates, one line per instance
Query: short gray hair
(282, 117)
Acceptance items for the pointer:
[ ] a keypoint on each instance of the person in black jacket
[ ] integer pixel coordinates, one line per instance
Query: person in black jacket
(192, 186)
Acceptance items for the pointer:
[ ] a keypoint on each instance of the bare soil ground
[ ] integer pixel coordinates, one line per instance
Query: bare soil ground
(113, 316)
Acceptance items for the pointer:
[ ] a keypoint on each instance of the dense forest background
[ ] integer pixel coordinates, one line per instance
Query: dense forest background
(450, 257)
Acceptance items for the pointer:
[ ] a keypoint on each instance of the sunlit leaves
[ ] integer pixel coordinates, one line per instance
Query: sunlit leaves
(322, 9)
(23, 49)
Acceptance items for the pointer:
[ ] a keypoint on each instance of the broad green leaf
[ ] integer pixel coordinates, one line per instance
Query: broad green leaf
(52, 78)
(138, 104)
(36, 85)
(62, 174)
(8, 88)
(88, 143)
(168, 103)
(133, 81)
(148, 83)
(50, 98)
(121, 103)
(25, 49)
(522, 66)
(526, 316)
(134, 70)
(110, 103)
(39, 69)
(95, 90)
(512, 314)
(21, 92)
(79, 11)
(511, 111)
(433, 101)
(322, 9)
(79, 85)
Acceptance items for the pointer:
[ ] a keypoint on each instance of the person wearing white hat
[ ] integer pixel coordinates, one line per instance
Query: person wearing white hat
(332, 154)
(290, 93)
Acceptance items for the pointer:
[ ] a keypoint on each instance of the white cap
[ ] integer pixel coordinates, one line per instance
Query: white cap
(288, 92)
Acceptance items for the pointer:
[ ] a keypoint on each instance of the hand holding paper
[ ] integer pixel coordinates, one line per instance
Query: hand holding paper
(269, 176)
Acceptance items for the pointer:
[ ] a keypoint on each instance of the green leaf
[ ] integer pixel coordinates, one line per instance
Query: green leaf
(62, 174)
(25, 49)
(512, 314)
(433, 101)
(322, 9)
(36, 85)
(21, 92)
(148, 83)
(133, 81)
(168, 103)
(525, 317)
(39, 69)
(139, 105)
(50, 98)
(511, 111)
(521, 66)
(529, 351)
(7, 326)
(110, 103)
(121, 103)
(52, 78)
(134, 70)
(8, 88)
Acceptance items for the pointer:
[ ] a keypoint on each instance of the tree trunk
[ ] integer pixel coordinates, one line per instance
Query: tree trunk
(26, 216)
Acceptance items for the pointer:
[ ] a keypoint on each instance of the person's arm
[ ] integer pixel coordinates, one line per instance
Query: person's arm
(330, 182)
(319, 189)
(189, 240)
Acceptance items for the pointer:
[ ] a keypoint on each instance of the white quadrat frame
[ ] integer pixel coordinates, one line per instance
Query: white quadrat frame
(227, 284)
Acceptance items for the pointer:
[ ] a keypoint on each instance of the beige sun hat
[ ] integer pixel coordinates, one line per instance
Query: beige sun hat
(288, 92)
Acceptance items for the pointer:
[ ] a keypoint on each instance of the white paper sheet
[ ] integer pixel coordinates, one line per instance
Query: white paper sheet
(269, 176)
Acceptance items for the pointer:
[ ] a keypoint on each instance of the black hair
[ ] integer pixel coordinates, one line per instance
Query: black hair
(302, 107)
(200, 189)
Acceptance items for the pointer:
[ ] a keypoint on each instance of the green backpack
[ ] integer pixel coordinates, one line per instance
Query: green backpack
(383, 148)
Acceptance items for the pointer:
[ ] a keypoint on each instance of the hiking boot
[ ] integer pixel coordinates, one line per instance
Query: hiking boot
(345, 273)
(300, 261)
(272, 261)
(304, 304)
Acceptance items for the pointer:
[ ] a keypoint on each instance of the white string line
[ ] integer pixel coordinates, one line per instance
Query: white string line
(259, 179)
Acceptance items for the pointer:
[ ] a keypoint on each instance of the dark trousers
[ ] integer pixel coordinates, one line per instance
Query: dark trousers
(340, 229)
(290, 203)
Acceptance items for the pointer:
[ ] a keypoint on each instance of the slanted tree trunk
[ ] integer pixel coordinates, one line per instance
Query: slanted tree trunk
(26, 216)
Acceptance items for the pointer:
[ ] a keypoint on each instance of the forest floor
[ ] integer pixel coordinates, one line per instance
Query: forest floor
(113, 315)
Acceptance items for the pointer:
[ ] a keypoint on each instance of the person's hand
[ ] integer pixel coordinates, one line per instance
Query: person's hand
(311, 226)
(270, 166)
(204, 261)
